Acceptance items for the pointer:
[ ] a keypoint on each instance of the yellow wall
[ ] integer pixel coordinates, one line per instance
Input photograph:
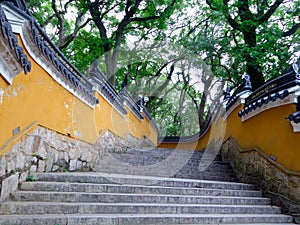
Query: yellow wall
(37, 98)
(269, 131)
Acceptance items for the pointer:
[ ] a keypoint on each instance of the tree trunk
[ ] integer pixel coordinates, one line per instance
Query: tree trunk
(111, 62)
(254, 71)
(110, 70)
(252, 66)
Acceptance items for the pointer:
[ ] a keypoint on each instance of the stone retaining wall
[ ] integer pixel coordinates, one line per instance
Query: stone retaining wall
(252, 167)
(44, 150)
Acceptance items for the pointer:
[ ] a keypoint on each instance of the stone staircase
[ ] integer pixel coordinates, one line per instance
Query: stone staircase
(143, 188)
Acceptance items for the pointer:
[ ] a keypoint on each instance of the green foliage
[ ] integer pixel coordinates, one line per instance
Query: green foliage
(226, 47)
(205, 31)
(30, 178)
(85, 49)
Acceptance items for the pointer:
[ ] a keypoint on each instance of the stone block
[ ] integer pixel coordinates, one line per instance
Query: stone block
(75, 165)
(33, 169)
(2, 166)
(61, 164)
(86, 155)
(41, 166)
(9, 185)
(27, 145)
(36, 144)
(23, 176)
(10, 164)
(49, 164)
(74, 153)
(20, 160)
(72, 166)
(55, 168)
(41, 152)
(65, 156)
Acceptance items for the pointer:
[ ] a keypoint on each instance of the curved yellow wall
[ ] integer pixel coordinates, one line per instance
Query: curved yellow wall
(36, 98)
(269, 131)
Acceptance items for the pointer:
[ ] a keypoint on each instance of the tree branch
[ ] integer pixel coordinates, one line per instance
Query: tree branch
(195, 27)
(57, 14)
(47, 21)
(265, 17)
(107, 11)
(231, 21)
(144, 19)
(291, 31)
(69, 38)
(128, 4)
(209, 3)
(94, 10)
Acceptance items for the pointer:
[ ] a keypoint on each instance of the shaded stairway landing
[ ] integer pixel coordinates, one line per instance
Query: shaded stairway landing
(168, 163)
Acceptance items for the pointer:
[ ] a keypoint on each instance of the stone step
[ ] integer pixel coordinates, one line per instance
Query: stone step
(150, 192)
(152, 159)
(115, 188)
(11, 207)
(106, 178)
(217, 176)
(46, 196)
(116, 219)
(167, 169)
(147, 219)
(167, 163)
(230, 177)
(163, 152)
(218, 169)
(214, 169)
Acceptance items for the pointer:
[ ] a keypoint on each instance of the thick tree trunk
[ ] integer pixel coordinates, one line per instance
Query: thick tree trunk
(254, 71)
(110, 70)
(111, 63)
(252, 66)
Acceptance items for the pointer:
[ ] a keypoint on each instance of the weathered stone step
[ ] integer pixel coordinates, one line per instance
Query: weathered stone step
(106, 178)
(116, 219)
(219, 176)
(11, 207)
(214, 169)
(166, 170)
(183, 164)
(136, 198)
(149, 159)
(162, 153)
(115, 188)
(230, 177)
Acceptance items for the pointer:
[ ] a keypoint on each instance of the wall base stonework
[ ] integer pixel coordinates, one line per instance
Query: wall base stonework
(44, 150)
(251, 167)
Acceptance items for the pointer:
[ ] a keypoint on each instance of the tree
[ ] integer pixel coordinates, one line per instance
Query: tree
(110, 25)
(115, 21)
(176, 81)
(117, 18)
(258, 23)
(56, 14)
(215, 37)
